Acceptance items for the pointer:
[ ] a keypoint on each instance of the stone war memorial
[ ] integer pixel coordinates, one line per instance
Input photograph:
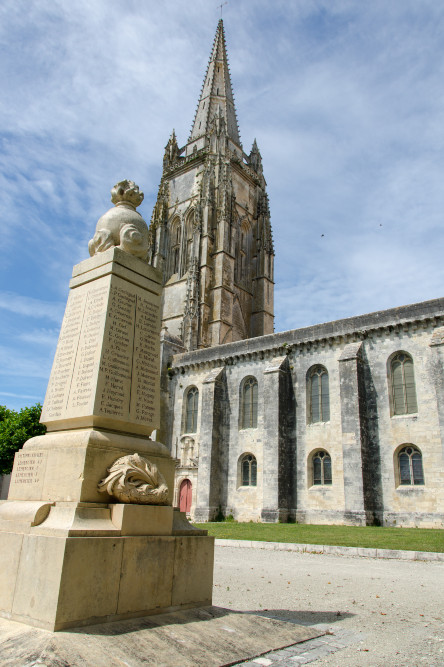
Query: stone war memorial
(88, 533)
(93, 556)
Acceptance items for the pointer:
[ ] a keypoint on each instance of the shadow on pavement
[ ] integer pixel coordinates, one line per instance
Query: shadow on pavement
(302, 617)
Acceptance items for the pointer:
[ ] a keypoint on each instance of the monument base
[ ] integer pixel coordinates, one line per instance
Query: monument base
(72, 555)
(67, 465)
(66, 565)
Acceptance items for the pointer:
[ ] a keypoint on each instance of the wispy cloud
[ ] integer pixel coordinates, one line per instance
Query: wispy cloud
(21, 396)
(23, 364)
(46, 337)
(30, 307)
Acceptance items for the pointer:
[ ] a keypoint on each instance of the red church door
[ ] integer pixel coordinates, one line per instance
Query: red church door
(185, 496)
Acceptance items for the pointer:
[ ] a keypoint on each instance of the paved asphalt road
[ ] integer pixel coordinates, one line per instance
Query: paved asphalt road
(383, 612)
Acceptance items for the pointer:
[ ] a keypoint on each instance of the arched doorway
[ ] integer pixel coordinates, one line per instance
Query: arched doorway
(185, 496)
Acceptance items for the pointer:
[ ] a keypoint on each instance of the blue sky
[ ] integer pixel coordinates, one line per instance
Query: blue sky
(344, 97)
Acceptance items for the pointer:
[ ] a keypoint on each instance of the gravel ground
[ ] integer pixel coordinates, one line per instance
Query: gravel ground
(385, 612)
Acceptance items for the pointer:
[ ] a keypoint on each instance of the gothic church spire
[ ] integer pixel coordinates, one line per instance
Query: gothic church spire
(210, 234)
(216, 97)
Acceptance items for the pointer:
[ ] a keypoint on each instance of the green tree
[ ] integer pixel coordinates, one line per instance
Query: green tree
(15, 429)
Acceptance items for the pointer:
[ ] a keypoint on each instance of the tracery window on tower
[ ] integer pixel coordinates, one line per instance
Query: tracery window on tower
(189, 232)
(243, 254)
(318, 395)
(175, 238)
(409, 470)
(402, 385)
(248, 403)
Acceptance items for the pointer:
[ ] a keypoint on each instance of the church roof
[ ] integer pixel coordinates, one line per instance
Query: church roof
(217, 95)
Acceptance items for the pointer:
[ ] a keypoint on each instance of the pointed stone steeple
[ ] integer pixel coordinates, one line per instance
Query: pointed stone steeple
(210, 234)
(216, 97)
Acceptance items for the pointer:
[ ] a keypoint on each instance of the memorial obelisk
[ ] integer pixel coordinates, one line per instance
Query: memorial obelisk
(88, 533)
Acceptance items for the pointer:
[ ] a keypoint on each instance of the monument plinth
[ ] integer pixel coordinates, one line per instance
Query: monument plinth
(88, 533)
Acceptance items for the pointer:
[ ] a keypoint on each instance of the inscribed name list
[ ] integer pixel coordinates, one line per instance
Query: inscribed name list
(29, 468)
(106, 367)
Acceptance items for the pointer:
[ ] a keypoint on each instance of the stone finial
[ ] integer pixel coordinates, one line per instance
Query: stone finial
(122, 226)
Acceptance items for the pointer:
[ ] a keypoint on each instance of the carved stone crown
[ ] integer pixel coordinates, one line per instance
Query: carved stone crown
(126, 192)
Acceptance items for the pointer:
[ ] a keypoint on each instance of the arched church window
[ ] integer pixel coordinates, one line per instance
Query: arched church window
(249, 403)
(248, 470)
(321, 468)
(402, 380)
(410, 466)
(189, 239)
(191, 409)
(318, 395)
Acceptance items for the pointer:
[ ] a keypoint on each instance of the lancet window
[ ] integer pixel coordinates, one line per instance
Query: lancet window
(318, 395)
(402, 380)
(248, 417)
(191, 409)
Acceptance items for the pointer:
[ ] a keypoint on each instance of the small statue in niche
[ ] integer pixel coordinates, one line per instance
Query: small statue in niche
(122, 226)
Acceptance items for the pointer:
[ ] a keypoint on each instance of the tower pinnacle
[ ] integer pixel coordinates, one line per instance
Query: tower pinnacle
(216, 95)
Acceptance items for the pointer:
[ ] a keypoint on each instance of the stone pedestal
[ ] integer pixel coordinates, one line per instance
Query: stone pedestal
(71, 552)
(73, 564)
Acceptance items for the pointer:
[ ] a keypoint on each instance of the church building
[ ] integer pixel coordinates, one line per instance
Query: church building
(340, 422)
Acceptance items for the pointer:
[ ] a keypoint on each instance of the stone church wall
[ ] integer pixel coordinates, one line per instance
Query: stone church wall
(361, 436)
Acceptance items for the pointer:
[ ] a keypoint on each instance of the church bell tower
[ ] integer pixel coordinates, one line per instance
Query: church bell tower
(210, 232)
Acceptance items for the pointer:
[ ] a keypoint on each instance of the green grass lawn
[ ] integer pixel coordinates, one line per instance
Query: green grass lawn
(409, 539)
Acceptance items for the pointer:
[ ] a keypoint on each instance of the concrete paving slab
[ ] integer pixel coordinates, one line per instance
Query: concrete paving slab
(209, 636)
